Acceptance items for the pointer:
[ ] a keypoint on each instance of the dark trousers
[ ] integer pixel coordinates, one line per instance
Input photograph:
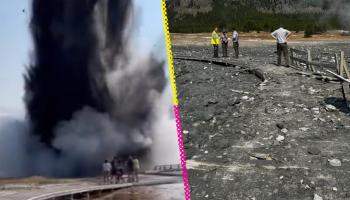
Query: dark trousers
(224, 49)
(235, 47)
(282, 49)
(216, 50)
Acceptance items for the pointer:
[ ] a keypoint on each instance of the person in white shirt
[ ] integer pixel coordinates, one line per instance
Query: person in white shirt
(106, 170)
(281, 35)
(235, 41)
(136, 165)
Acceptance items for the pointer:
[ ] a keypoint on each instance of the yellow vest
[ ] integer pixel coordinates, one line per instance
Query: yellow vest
(214, 38)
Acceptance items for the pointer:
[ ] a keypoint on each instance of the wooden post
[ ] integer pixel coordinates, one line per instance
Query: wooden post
(309, 58)
(337, 64)
(344, 67)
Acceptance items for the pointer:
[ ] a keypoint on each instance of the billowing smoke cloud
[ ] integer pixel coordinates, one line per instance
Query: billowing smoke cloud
(89, 95)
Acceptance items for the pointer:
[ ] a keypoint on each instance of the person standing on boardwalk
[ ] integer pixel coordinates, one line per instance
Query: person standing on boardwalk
(235, 42)
(215, 42)
(114, 170)
(106, 170)
(281, 35)
(120, 171)
(224, 43)
(136, 165)
(130, 169)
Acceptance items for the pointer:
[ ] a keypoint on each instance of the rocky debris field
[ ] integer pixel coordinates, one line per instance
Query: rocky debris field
(286, 138)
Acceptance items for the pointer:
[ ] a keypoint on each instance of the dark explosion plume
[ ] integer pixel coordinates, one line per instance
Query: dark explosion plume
(76, 44)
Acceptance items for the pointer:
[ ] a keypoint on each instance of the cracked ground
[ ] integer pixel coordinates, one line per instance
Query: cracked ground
(284, 139)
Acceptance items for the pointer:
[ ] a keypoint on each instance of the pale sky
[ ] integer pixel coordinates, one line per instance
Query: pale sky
(16, 46)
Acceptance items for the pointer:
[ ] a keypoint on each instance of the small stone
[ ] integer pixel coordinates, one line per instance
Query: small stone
(311, 91)
(317, 197)
(304, 129)
(335, 189)
(335, 162)
(206, 152)
(330, 108)
(322, 120)
(284, 130)
(186, 132)
(280, 138)
(245, 98)
(212, 101)
(280, 126)
(315, 109)
(313, 151)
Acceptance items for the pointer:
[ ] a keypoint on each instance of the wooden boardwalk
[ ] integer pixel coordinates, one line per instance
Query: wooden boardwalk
(80, 187)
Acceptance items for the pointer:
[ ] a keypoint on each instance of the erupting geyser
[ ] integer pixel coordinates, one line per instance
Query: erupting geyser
(85, 93)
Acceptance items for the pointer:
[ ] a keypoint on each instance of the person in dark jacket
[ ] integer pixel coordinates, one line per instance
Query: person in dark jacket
(224, 44)
(130, 169)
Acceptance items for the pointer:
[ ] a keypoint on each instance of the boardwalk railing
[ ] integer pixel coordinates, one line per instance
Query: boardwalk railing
(303, 59)
(167, 168)
(338, 67)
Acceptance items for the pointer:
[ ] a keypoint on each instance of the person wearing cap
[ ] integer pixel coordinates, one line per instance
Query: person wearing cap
(224, 43)
(281, 35)
(215, 42)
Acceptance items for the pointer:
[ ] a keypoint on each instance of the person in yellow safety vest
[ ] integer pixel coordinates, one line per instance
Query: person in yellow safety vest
(215, 42)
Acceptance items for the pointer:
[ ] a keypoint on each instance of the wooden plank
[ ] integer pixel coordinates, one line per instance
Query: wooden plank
(346, 93)
(314, 63)
(338, 76)
(309, 59)
(341, 68)
(337, 64)
(344, 65)
(318, 76)
(299, 51)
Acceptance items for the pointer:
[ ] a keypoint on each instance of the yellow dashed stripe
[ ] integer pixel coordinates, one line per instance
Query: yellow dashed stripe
(169, 53)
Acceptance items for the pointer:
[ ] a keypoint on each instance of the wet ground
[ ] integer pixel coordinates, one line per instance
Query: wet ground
(159, 192)
(285, 139)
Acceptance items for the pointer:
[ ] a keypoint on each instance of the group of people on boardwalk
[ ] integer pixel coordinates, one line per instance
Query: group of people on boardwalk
(281, 35)
(114, 170)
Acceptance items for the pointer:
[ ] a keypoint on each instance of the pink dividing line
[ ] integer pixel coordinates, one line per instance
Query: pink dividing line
(182, 152)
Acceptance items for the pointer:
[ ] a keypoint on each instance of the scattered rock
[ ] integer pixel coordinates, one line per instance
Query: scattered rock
(315, 109)
(335, 162)
(245, 98)
(280, 138)
(284, 130)
(313, 151)
(261, 156)
(317, 197)
(212, 101)
(330, 108)
(304, 129)
(234, 102)
(280, 126)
